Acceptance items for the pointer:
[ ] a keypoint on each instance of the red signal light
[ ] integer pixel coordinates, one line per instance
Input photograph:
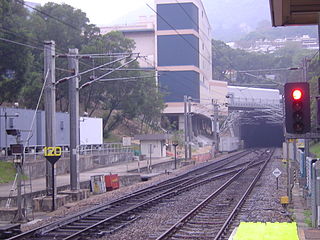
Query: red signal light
(297, 94)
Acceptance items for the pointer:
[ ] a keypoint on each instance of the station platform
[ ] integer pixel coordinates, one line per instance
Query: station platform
(299, 208)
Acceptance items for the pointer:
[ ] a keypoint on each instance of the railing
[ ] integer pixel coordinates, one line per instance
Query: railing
(33, 152)
(253, 102)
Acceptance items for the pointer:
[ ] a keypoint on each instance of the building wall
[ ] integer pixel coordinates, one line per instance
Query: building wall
(181, 51)
(145, 45)
(142, 33)
(37, 134)
(157, 148)
(183, 37)
(247, 94)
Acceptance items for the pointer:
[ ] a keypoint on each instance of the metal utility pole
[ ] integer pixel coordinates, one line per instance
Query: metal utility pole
(74, 119)
(50, 105)
(304, 77)
(288, 171)
(185, 128)
(215, 125)
(190, 127)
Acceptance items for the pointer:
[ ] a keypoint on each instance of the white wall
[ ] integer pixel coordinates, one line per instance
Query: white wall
(145, 45)
(255, 93)
(91, 131)
(156, 149)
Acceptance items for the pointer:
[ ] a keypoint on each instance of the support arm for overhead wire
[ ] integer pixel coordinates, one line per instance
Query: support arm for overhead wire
(90, 70)
(108, 73)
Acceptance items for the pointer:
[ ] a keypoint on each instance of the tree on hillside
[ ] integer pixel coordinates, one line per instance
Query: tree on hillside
(71, 31)
(226, 60)
(15, 60)
(120, 99)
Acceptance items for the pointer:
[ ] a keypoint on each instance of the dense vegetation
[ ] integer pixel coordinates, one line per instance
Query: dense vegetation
(21, 65)
(245, 66)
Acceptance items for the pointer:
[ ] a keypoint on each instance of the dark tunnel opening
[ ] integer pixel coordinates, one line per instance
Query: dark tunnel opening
(262, 135)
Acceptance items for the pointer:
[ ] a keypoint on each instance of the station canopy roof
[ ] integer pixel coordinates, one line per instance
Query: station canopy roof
(294, 12)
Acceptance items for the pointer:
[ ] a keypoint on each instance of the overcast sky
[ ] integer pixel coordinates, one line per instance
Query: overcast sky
(104, 11)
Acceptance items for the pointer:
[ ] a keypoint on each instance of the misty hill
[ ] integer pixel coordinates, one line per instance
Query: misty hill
(232, 20)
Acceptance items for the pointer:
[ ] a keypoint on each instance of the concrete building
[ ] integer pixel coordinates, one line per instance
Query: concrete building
(153, 145)
(270, 46)
(177, 43)
(21, 119)
(143, 33)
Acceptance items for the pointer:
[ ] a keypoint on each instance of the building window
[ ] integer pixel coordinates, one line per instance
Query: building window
(10, 122)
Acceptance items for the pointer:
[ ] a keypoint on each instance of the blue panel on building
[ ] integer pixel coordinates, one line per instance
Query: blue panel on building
(179, 83)
(177, 16)
(173, 50)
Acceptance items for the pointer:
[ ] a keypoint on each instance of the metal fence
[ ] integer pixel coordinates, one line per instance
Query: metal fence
(34, 152)
(253, 102)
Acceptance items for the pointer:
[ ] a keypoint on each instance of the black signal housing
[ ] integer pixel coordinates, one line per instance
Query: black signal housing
(297, 107)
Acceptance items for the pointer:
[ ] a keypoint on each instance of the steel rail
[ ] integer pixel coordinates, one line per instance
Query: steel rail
(179, 182)
(205, 202)
(243, 199)
(174, 191)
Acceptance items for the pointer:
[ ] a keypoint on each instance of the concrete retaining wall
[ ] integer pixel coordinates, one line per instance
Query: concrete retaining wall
(36, 168)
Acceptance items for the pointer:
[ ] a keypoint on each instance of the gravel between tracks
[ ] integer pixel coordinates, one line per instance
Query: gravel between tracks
(43, 218)
(263, 204)
(153, 221)
(156, 220)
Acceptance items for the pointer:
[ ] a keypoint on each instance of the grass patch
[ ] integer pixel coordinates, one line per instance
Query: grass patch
(307, 217)
(7, 172)
(112, 139)
(315, 149)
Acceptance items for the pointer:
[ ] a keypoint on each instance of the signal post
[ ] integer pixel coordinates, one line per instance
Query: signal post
(297, 119)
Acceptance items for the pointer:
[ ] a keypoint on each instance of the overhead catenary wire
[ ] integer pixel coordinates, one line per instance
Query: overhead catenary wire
(37, 107)
(204, 33)
(180, 35)
(21, 44)
(104, 75)
(25, 38)
(176, 77)
(87, 71)
(48, 15)
(126, 78)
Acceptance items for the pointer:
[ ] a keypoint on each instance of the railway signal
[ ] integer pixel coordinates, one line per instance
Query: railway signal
(297, 107)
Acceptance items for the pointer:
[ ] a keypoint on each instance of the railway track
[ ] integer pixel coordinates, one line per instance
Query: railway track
(212, 217)
(112, 216)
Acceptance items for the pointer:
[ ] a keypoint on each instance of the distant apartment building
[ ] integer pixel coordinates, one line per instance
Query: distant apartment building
(177, 43)
(270, 46)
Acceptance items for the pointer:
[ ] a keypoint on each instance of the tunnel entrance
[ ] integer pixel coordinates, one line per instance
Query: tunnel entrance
(262, 135)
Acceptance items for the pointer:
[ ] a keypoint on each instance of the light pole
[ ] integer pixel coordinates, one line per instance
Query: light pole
(6, 115)
(175, 154)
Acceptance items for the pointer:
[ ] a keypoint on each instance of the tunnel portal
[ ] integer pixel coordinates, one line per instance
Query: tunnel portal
(262, 135)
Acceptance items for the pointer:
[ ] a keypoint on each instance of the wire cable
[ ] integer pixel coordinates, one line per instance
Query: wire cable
(180, 35)
(21, 44)
(196, 24)
(104, 75)
(37, 107)
(50, 16)
(25, 38)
